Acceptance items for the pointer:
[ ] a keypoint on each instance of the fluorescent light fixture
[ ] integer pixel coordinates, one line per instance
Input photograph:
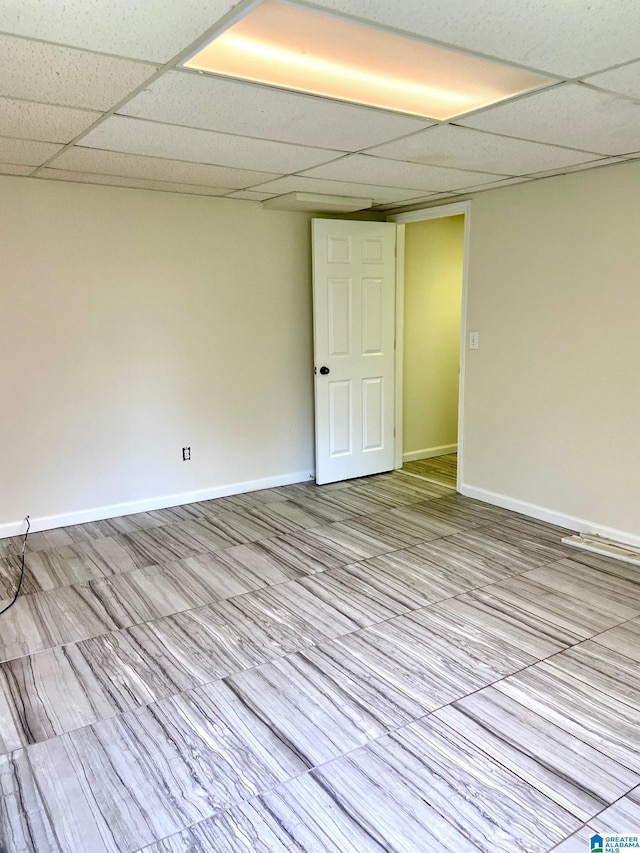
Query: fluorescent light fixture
(317, 202)
(293, 47)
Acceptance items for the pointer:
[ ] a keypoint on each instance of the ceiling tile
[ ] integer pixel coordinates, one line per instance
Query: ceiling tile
(156, 169)
(51, 74)
(565, 37)
(136, 183)
(23, 152)
(42, 122)
(143, 29)
(248, 109)
(461, 148)
(134, 136)
(592, 164)
(624, 81)
(571, 115)
(492, 185)
(380, 195)
(395, 173)
(250, 195)
(427, 199)
(9, 169)
(460, 194)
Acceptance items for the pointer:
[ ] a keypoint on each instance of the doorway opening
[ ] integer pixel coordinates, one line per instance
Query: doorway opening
(430, 335)
(371, 414)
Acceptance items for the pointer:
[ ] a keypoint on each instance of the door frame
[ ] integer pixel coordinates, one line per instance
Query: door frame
(456, 209)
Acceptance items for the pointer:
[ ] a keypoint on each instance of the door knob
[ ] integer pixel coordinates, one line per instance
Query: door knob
(324, 371)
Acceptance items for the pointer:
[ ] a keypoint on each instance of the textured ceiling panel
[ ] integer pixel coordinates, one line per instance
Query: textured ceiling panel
(594, 164)
(250, 195)
(461, 148)
(246, 109)
(624, 81)
(10, 169)
(216, 135)
(156, 169)
(394, 173)
(492, 185)
(143, 29)
(564, 37)
(42, 122)
(427, 199)
(380, 195)
(571, 115)
(136, 183)
(22, 152)
(135, 136)
(60, 75)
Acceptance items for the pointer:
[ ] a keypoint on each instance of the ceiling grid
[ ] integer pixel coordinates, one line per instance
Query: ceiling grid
(94, 92)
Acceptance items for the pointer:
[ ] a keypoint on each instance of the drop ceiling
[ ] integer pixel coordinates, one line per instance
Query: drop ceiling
(92, 91)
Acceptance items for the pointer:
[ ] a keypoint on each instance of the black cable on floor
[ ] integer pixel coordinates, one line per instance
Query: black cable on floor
(24, 545)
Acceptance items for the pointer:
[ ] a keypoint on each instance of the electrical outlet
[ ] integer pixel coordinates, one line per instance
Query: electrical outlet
(474, 340)
(186, 454)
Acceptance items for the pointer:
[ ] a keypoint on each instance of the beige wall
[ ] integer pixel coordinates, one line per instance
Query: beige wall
(134, 323)
(432, 297)
(552, 402)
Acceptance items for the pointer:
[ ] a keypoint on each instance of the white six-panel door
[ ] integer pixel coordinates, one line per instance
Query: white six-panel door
(354, 333)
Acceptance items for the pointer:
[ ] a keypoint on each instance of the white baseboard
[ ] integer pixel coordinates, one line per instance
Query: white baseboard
(580, 525)
(47, 522)
(429, 452)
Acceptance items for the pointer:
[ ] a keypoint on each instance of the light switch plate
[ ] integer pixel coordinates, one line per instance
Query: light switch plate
(474, 340)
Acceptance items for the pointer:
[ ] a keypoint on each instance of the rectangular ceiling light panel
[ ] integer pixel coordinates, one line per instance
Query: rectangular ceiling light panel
(317, 202)
(293, 47)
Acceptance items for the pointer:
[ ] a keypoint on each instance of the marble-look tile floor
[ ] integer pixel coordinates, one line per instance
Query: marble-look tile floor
(376, 665)
(441, 469)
